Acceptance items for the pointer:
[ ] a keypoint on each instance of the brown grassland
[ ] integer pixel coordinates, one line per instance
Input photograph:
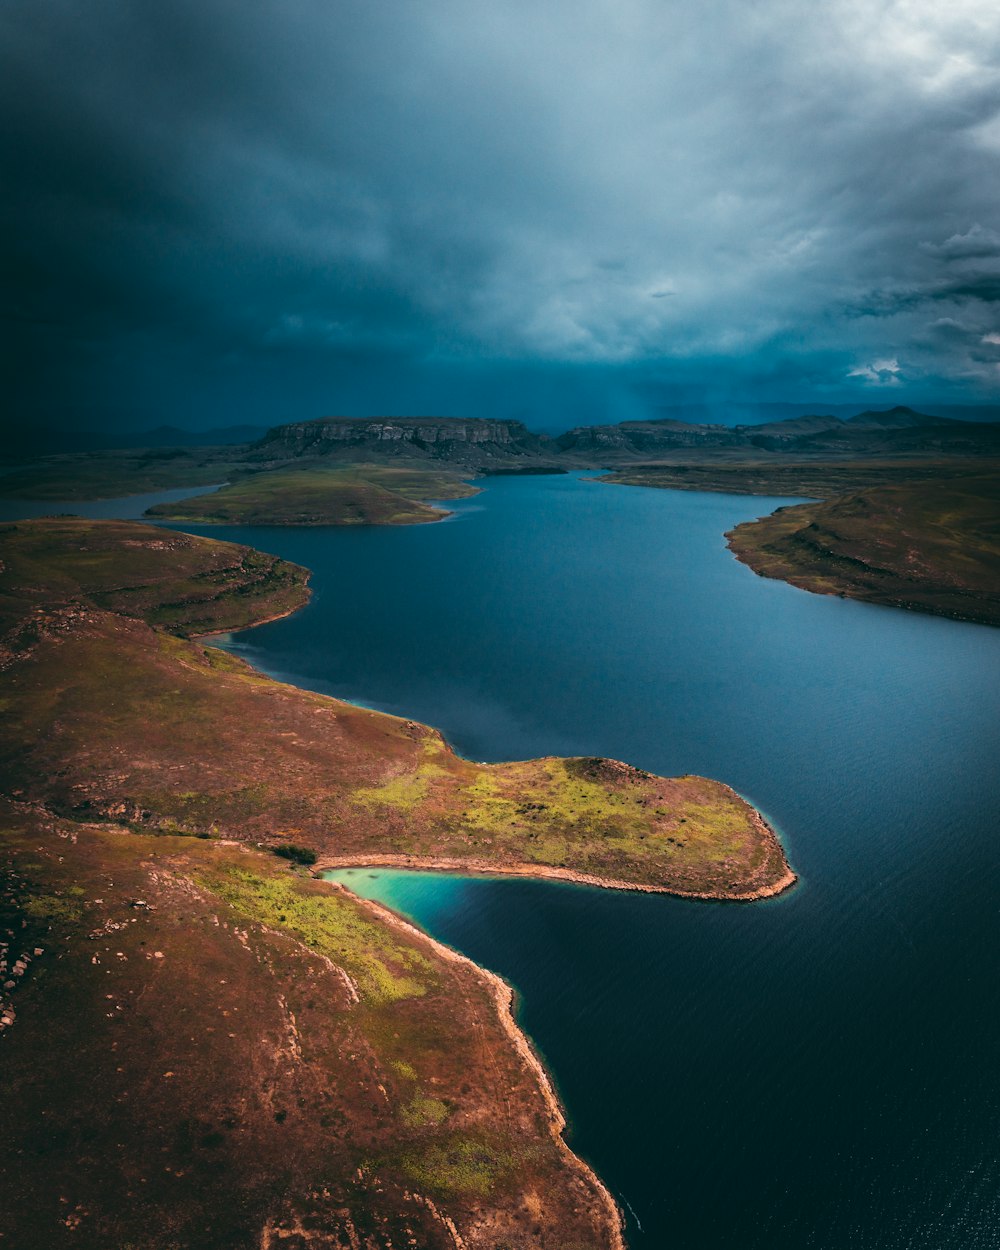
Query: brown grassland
(930, 546)
(214, 1048)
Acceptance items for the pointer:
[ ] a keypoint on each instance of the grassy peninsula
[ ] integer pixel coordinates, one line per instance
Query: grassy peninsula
(174, 735)
(931, 546)
(819, 478)
(203, 1038)
(354, 495)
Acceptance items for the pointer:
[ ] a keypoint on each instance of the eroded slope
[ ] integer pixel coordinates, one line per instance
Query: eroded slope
(207, 1049)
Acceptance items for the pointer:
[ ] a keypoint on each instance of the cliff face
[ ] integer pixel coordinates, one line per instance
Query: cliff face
(472, 440)
(642, 436)
(498, 445)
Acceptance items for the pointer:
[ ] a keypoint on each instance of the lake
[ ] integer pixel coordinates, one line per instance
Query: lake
(820, 1070)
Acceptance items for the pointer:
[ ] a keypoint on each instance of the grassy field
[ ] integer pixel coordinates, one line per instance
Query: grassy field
(818, 479)
(186, 584)
(208, 1048)
(356, 495)
(931, 546)
(113, 474)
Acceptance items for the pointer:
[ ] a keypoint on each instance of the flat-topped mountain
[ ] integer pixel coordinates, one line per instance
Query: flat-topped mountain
(481, 443)
(472, 441)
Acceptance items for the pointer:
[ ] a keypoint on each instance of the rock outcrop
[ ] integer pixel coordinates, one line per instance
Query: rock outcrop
(473, 441)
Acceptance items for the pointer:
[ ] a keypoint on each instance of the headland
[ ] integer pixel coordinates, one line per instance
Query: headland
(301, 1061)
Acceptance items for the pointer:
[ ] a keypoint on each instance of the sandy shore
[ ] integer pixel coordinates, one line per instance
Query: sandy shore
(481, 867)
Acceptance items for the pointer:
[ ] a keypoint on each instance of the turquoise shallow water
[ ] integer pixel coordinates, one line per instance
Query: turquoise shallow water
(820, 1070)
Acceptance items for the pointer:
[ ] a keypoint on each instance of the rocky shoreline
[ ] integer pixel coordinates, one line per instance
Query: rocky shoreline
(503, 997)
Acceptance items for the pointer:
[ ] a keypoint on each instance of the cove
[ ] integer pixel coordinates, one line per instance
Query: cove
(819, 1070)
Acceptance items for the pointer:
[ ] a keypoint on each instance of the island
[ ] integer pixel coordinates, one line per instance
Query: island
(363, 494)
(258, 1055)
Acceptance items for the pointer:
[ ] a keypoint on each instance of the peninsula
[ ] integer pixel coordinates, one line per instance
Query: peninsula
(372, 494)
(932, 546)
(257, 1054)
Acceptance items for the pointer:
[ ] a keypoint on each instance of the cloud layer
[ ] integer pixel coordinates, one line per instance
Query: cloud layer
(231, 209)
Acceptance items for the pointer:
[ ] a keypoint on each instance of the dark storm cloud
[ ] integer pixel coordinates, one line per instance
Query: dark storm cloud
(224, 209)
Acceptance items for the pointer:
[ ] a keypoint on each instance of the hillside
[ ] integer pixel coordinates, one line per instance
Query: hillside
(930, 546)
(199, 1038)
(816, 478)
(899, 431)
(358, 495)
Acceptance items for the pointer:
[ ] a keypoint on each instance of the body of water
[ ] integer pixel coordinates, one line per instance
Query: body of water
(820, 1070)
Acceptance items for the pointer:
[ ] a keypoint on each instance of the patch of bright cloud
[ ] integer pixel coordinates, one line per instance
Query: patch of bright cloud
(883, 372)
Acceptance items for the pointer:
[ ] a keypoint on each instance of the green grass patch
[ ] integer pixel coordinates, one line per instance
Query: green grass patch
(353, 495)
(333, 925)
(51, 909)
(462, 1165)
(422, 1111)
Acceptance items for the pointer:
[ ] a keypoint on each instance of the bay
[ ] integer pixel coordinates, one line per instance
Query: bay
(820, 1070)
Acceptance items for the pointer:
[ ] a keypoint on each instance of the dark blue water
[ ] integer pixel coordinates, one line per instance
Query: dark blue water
(816, 1071)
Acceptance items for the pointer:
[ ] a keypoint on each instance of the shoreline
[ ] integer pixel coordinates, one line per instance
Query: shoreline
(264, 620)
(502, 994)
(444, 514)
(802, 581)
(543, 872)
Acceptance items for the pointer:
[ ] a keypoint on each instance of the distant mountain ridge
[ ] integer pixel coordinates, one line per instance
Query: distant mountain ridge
(767, 412)
(487, 444)
(41, 440)
(899, 430)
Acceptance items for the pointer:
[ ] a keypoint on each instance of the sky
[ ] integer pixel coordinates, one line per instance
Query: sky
(226, 211)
